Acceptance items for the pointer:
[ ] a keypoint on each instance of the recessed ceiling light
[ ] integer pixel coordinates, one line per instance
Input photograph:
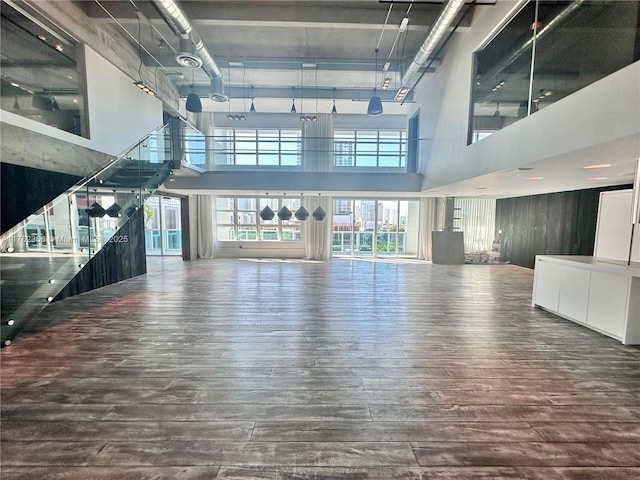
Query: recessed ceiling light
(236, 64)
(59, 47)
(75, 100)
(597, 165)
(534, 178)
(15, 84)
(42, 37)
(481, 188)
(594, 179)
(525, 169)
(70, 77)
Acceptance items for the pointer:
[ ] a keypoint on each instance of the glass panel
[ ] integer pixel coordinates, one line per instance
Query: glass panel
(246, 218)
(247, 204)
(247, 233)
(365, 217)
(389, 161)
(225, 218)
(223, 203)
(342, 227)
(592, 40)
(226, 233)
(366, 161)
(42, 78)
(503, 68)
(291, 234)
(576, 44)
(269, 233)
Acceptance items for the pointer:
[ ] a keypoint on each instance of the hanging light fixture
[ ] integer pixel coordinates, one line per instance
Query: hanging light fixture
(333, 110)
(375, 103)
(497, 112)
(293, 99)
(301, 214)
(194, 104)
(252, 109)
(319, 214)
(266, 213)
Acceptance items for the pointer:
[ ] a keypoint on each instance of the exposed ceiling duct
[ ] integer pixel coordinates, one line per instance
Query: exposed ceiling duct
(437, 33)
(193, 53)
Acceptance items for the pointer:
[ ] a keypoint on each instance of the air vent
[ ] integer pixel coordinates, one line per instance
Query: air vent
(217, 91)
(187, 56)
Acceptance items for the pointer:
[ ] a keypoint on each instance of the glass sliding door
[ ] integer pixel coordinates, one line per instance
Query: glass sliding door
(163, 226)
(376, 228)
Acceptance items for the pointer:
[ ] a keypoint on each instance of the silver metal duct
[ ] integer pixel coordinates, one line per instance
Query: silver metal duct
(179, 21)
(437, 33)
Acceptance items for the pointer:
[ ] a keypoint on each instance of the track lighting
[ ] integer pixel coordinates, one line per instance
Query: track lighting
(402, 92)
(236, 117)
(144, 87)
(386, 83)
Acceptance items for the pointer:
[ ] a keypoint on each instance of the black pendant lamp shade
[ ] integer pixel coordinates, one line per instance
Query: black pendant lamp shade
(285, 214)
(267, 214)
(375, 105)
(193, 103)
(302, 214)
(319, 214)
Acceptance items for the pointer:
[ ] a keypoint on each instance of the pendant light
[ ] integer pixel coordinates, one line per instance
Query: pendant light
(375, 103)
(319, 214)
(252, 109)
(301, 214)
(293, 99)
(333, 110)
(194, 104)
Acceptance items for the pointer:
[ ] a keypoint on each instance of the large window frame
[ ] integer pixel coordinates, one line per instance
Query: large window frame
(261, 147)
(245, 224)
(369, 148)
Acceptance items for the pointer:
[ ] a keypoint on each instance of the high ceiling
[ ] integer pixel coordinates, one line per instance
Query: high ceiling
(275, 46)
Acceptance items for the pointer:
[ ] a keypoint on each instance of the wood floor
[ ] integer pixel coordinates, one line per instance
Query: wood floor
(235, 369)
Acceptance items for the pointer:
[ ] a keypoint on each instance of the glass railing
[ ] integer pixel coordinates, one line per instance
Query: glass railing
(263, 149)
(547, 51)
(46, 250)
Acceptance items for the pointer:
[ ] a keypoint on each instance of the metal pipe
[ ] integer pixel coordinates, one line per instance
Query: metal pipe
(179, 22)
(437, 33)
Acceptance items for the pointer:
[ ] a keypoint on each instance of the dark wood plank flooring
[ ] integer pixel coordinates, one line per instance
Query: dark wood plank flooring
(273, 370)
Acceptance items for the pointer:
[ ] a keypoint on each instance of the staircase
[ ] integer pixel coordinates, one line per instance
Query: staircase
(44, 252)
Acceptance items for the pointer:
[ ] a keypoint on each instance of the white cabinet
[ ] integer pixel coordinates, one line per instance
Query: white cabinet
(573, 300)
(607, 303)
(602, 296)
(547, 285)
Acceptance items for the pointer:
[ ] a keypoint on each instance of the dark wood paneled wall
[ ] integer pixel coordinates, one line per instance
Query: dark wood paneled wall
(553, 224)
(115, 262)
(25, 190)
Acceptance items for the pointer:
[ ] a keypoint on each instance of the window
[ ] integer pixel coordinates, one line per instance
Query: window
(265, 147)
(42, 71)
(239, 219)
(369, 148)
(378, 228)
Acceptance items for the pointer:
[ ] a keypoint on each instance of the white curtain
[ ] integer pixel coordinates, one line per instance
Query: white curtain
(206, 227)
(317, 236)
(478, 220)
(318, 144)
(428, 215)
(205, 125)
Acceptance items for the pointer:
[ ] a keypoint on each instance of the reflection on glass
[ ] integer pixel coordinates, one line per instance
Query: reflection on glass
(42, 78)
(576, 43)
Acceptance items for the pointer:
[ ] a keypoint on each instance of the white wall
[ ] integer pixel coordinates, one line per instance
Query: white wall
(603, 112)
(120, 114)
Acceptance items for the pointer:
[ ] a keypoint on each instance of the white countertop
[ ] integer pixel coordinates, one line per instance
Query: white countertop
(592, 263)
